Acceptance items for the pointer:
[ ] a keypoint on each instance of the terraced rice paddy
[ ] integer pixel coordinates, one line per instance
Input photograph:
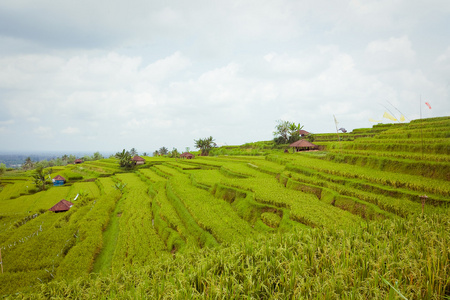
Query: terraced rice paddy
(332, 224)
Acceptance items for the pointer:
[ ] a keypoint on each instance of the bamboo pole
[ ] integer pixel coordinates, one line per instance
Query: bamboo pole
(337, 132)
(421, 125)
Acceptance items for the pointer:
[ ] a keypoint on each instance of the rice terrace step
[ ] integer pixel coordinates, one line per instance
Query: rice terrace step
(373, 207)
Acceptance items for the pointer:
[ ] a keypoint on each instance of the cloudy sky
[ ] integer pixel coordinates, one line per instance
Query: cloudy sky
(107, 75)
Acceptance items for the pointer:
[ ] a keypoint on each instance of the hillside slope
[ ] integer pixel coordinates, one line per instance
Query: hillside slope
(345, 222)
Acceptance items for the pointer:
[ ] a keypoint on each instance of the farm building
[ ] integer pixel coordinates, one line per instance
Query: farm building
(78, 161)
(62, 205)
(187, 155)
(303, 132)
(58, 180)
(138, 160)
(303, 145)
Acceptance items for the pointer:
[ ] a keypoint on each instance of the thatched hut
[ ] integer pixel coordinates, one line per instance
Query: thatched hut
(62, 205)
(138, 160)
(303, 132)
(187, 155)
(303, 145)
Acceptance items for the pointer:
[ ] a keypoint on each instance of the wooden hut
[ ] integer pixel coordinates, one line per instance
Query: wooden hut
(303, 132)
(58, 180)
(78, 161)
(303, 145)
(138, 160)
(62, 205)
(187, 155)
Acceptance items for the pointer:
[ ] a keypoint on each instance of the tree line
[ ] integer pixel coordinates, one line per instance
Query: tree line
(64, 160)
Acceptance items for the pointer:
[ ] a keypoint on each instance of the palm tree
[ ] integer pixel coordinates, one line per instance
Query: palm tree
(133, 152)
(163, 151)
(174, 153)
(294, 132)
(28, 164)
(156, 153)
(125, 159)
(40, 177)
(205, 145)
(286, 131)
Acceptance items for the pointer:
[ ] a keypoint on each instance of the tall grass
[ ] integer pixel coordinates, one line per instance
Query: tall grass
(319, 263)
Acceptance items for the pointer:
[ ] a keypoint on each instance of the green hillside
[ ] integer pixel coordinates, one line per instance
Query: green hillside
(251, 221)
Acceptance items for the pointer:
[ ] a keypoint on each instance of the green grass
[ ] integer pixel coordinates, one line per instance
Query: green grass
(344, 223)
(103, 262)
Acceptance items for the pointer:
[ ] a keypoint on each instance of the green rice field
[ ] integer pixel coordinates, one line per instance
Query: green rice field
(347, 222)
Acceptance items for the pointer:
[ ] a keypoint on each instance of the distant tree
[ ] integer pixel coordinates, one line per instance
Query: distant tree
(2, 168)
(86, 158)
(42, 164)
(286, 132)
(133, 152)
(187, 149)
(65, 158)
(144, 154)
(125, 159)
(163, 151)
(28, 164)
(294, 134)
(311, 137)
(51, 163)
(59, 162)
(156, 153)
(71, 159)
(205, 145)
(40, 177)
(174, 153)
(282, 131)
(97, 156)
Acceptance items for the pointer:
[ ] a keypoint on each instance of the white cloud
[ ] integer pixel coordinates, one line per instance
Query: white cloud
(70, 130)
(444, 57)
(7, 122)
(33, 120)
(44, 132)
(174, 72)
(164, 68)
(394, 53)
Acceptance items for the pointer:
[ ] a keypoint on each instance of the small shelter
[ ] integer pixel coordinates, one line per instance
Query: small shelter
(78, 161)
(303, 132)
(138, 160)
(62, 205)
(187, 155)
(303, 145)
(58, 180)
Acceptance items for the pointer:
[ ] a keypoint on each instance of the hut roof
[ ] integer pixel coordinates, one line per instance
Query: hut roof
(59, 177)
(137, 158)
(303, 132)
(302, 143)
(186, 154)
(62, 205)
(78, 160)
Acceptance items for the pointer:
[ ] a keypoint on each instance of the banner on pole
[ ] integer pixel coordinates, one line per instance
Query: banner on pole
(389, 116)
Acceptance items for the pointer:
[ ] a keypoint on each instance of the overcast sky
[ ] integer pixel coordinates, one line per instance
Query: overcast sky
(107, 75)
